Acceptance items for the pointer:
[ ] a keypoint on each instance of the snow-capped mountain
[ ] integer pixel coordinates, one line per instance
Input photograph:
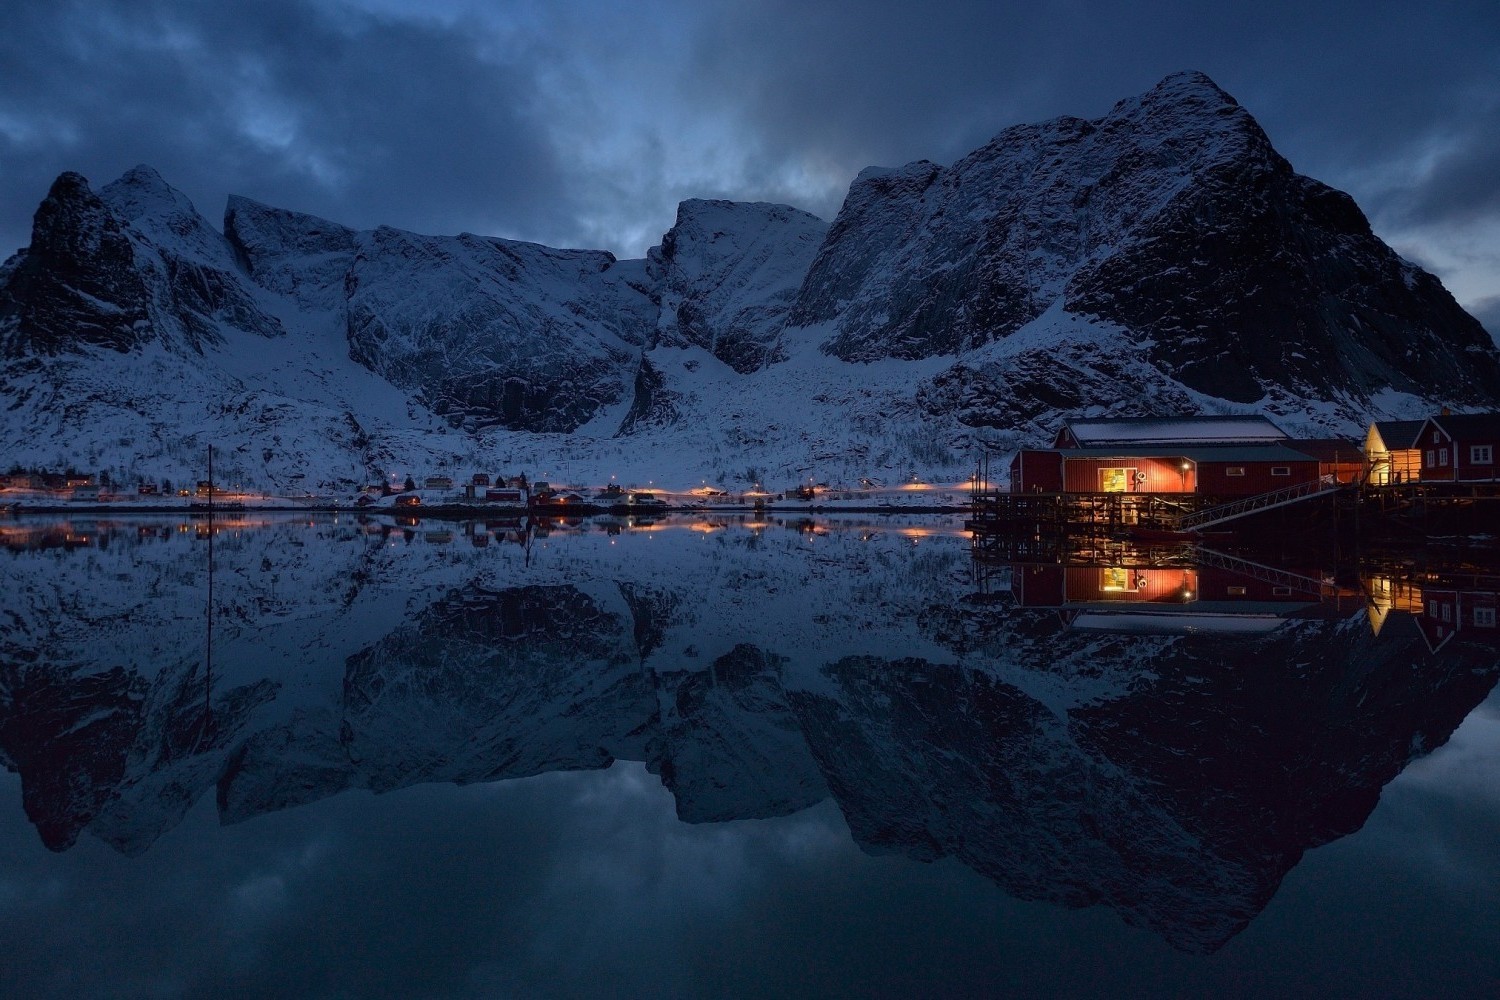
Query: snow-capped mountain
(1162, 258)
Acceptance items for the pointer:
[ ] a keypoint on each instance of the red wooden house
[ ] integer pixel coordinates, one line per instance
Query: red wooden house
(1211, 455)
(1460, 448)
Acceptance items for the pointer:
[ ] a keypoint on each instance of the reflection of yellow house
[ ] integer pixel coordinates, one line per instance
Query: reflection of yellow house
(1390, 447)
(1386, 594)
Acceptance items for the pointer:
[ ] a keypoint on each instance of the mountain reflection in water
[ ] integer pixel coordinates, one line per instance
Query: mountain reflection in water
(1162, 732)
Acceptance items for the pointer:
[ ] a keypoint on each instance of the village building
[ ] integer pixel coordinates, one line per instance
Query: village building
(1392, 453)
(438, 483)
(1339, 459)
(1228, 471)
(1460, 448)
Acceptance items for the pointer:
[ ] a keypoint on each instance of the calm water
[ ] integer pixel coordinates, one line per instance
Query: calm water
(734, 759)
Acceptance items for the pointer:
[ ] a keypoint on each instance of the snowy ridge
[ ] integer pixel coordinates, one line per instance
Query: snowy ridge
(1162, 259)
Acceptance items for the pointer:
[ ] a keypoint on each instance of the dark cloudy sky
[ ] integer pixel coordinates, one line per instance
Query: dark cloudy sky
(583, 124)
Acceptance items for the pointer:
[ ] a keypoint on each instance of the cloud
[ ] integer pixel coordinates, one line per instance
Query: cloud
(1487, 311)
(342, 113)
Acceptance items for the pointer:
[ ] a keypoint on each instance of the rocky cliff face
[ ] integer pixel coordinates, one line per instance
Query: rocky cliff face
(1173, 220)
(727, 273)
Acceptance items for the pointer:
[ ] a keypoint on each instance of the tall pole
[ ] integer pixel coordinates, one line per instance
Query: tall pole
(208, 665)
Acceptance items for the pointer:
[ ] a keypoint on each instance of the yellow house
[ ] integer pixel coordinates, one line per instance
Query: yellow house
(1391, 448)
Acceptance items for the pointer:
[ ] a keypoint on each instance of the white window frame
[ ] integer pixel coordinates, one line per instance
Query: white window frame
(1236, 591)
(1234, 470)
(1481, 454)
(1484, 617)
(1281, 470)
(1442, 456)
(1431, 458)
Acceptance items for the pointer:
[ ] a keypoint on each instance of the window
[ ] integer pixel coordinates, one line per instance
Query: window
(1431, 457)
(1432, 611)
(1281, 470)
(1481, 454)
(1236, 591)
(1116, 480)
(1447, 612)
(1235, 470)
(1442, 456)
(1282, 591)
(1484, 617)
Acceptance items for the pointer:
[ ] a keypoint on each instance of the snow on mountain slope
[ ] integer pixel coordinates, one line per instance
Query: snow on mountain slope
(1172, 218)
(491, 331)
(727, 273)
(1161, 259)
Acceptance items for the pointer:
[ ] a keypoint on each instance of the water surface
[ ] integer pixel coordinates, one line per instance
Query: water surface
(732, 757)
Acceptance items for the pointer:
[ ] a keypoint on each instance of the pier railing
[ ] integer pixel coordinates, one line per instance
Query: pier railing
(1210, 516)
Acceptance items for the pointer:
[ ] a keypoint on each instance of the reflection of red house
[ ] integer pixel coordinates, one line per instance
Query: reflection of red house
(1460, 448)
(1056, 586)
(1447, 613)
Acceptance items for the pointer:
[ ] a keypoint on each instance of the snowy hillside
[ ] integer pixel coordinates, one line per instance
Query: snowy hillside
(1161, 259)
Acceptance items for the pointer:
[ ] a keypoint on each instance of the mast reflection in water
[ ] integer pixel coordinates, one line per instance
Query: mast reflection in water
(1163, 731)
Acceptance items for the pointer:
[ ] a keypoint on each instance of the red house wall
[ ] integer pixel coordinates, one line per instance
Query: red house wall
(1163, 475)
(1214, 480)
(1469, 471)
(1037, 586)
(1036, 472)
(1215, 585)
(1170, 585)
(1433, 443)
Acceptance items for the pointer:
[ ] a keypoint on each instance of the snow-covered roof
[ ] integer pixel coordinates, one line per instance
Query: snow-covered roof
(1245, 429)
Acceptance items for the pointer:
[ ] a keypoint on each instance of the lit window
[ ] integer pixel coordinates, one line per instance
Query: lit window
(1281, 470)
(1481, 454)
(1235, 470)
(1236, 591)
(1484, 617)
